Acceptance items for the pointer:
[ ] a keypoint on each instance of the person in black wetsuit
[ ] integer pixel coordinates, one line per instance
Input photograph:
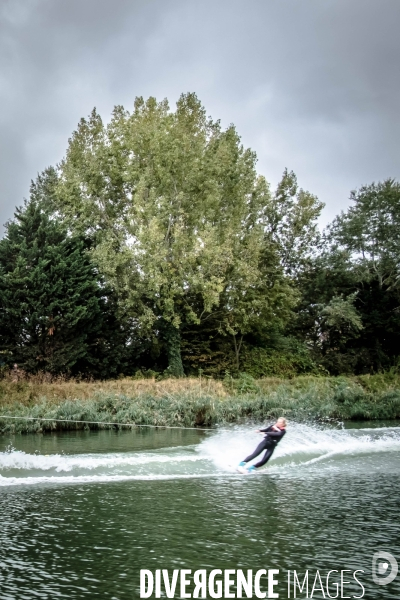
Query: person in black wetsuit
(273, 435)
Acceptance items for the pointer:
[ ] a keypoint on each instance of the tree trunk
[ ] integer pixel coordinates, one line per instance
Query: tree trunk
(237, 350)
(172, 340)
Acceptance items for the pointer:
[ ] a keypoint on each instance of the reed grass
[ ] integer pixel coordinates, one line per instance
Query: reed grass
(193, 402)
(31, 389)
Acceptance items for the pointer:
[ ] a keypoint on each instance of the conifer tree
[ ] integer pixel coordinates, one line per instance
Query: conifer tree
(50, 300)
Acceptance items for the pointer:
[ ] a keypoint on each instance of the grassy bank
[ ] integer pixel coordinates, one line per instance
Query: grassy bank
(195, 402)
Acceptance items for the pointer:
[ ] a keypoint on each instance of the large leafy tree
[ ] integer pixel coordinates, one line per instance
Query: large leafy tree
(177, 215)
(53, 312)
(351, 291)
(370, 232)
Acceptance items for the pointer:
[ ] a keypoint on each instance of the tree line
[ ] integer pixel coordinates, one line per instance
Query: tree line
(155, 247)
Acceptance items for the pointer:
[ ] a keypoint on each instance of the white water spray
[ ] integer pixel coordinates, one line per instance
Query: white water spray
(305, 449)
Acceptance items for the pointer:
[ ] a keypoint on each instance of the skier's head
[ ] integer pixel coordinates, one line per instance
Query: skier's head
(281, 422)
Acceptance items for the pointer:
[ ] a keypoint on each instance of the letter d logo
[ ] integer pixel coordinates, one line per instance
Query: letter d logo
(382, 567)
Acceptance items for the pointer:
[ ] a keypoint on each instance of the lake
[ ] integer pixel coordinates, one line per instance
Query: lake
(82, 512)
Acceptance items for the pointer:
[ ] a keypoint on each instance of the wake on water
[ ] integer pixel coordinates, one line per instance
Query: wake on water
(305, 450)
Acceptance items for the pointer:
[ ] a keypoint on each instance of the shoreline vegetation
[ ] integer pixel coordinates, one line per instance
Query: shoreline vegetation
(193, 402)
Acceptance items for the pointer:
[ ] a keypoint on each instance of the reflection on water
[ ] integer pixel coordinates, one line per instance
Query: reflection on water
(81, 514)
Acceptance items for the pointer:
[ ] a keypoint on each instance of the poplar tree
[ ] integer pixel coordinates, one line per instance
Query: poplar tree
(177, 215)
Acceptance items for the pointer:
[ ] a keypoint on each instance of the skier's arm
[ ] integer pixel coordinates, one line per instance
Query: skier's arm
(275, 434)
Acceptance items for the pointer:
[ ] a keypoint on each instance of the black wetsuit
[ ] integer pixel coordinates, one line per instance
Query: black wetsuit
(269, 444)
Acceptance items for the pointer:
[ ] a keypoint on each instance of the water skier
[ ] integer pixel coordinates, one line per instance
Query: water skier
(273, 435)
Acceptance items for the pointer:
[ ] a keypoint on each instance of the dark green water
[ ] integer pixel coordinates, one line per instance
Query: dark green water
(82, 513)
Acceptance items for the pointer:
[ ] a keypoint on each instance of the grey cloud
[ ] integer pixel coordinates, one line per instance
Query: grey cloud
(310, 85)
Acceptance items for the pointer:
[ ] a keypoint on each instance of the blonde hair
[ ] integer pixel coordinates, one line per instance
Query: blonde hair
(283, 421)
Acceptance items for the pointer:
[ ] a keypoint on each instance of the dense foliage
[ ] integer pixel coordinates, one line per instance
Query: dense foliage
(56, 314)
(350, 308)
(155, 247)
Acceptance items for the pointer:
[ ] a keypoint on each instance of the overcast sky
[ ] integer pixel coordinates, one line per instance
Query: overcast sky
(312, 85)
